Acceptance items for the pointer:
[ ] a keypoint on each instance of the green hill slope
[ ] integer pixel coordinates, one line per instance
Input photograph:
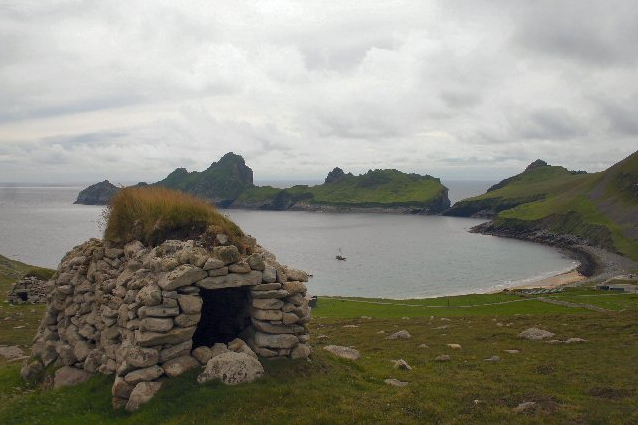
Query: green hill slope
(380, 189)
(546, 202)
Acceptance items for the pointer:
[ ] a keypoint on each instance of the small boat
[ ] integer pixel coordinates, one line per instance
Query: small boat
(339, 256)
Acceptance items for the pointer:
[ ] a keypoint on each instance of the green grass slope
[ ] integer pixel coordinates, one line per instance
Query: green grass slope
(601, 208)
(374, 189)
(588, 382)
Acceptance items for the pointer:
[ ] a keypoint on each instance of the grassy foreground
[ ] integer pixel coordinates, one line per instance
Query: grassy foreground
(589, 382)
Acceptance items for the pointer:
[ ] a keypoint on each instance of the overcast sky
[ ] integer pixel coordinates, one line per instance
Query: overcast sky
(129, 90)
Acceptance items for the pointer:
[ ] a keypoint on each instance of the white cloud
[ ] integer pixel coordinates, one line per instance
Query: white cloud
(129, 90)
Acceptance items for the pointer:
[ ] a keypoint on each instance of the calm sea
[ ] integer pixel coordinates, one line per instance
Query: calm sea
(394, 256)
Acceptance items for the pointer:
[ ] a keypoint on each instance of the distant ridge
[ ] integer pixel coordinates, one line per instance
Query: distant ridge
(228, 183)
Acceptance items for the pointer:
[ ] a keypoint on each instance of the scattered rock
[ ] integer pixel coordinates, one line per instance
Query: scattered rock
(350, 326)
(493, 359)
(573, 340)
(424, 346)
(12, 352)
(395, 382)
(232, 369)
(343, 352)
(454, 346)
(523, 407)
(403, 334)
(401, 364)
(443, 358)
(535, 334)
(512, 351)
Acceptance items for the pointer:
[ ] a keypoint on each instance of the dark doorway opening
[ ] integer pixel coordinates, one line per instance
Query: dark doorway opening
(225, 314)
(23, 295)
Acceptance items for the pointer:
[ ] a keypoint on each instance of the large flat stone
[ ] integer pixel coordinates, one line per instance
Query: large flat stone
(174, 336)
(268, 303)
(140, 375)
(275, 341)
(232, 280)
(157, 311)
(266, 314)
(184, 275)
(275, 293)
(277, 329)
(156, 324)
(175, 351)
(142, 357)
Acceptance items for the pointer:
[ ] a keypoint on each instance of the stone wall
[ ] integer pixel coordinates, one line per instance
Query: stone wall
(133, 312)
(30, 290)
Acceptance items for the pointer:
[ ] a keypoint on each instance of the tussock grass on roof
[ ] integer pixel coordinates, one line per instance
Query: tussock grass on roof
(155, 214)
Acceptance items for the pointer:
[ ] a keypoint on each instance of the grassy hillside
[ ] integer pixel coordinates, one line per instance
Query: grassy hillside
(570, 383)
(600, 207)
(376, 188)
(539, 181)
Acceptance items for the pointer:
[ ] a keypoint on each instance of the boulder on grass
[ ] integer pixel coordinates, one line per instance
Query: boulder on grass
(232, 368)
(69, 376)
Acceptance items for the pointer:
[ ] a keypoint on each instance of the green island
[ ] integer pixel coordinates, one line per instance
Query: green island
(591, 380)
(553, 205)
(228, 183)
(376, 189)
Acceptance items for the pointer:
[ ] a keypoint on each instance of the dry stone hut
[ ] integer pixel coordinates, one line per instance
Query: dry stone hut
(28, 290)
(145, 314)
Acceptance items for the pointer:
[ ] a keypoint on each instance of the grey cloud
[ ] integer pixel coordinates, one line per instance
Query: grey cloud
(299, 87)
(457, 99)
(622, 115)
(601, 33)
(550, 124)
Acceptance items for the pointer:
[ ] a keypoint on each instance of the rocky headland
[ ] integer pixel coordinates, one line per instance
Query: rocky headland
(97, 194)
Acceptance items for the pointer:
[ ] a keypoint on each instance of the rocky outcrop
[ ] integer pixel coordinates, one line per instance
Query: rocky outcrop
(29, 290)
(336, 175)
(145, 314)
(97, 194)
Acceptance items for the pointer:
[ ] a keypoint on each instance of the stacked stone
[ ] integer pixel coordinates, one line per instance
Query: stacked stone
(29, 290)
(280, 313)
(133, 311)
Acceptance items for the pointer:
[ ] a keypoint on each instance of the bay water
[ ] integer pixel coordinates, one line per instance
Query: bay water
(391, 256)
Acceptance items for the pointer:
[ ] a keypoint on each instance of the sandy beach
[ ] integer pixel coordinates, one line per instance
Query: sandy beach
(572, 276)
